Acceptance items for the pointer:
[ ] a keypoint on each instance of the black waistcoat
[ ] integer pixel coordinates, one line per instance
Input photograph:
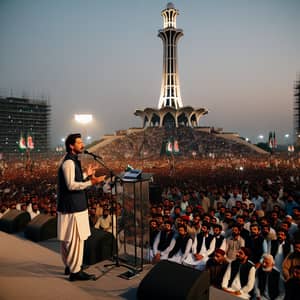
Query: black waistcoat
(219, 241)
(180, 244)
(273, 282)
(208, 240)
(286, 248)
(244, 272)
(165, 240)
(153, 234)
(71, 201)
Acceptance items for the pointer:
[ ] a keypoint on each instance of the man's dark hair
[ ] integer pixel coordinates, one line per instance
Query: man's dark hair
(218, 226)
(282, 230)
(70, 140)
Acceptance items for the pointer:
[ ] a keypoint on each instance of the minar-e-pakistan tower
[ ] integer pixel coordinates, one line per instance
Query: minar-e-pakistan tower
(170, 112)
(170, 88)
(171, 121)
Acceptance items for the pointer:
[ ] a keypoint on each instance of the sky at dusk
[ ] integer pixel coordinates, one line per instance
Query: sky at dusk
(239, 59)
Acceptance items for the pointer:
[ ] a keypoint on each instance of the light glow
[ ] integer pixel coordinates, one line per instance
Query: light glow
(83, 118)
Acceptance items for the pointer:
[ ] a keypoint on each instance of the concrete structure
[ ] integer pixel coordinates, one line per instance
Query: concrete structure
(171, 112)
(24, 117)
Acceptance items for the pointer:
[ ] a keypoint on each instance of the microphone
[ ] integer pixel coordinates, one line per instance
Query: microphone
(92, 154)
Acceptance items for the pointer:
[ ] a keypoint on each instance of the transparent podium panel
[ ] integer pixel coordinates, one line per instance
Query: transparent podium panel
(134, 223)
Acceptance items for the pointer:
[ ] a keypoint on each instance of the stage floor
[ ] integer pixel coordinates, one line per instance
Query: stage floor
(30, 270)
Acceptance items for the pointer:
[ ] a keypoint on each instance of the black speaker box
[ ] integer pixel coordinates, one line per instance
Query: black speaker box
(14, 221)
(169, 280)
(98, 247)
(41, 228)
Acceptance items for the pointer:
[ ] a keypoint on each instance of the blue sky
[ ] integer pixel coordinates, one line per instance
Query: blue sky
(237, 58)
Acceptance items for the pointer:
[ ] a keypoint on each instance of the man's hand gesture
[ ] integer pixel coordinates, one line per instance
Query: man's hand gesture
(96, 180)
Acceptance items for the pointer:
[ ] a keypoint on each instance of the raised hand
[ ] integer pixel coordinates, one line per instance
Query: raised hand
(96, 180)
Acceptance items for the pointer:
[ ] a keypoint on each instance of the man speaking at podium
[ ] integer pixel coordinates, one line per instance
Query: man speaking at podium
(72, 207)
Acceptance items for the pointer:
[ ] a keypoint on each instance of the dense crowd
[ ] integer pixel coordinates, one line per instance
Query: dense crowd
(238, 218)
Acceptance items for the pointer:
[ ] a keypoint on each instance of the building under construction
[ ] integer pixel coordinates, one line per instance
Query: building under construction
(24, 124)
(297, 113)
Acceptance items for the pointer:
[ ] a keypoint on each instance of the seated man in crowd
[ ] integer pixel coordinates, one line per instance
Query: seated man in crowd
(220, 239)
(269, 284)
(153, 232)
(216, 266)
(203, 247)
(255, 244)
(181, 245)
(162, 243)
(291, 261)
(292, 286)
(234, 243)
(239, 277)
(280, 248)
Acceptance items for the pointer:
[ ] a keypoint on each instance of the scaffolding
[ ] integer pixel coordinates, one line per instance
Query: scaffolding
(23, 117)
(297, 112)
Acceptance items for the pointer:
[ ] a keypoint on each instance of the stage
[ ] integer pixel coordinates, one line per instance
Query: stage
(30, 270)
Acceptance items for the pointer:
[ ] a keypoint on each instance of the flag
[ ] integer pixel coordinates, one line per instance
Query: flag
(271, 144)
(176, 147)
(128, 168)
(30, 144)
(274, 140)
(22, 143)
(169, 147)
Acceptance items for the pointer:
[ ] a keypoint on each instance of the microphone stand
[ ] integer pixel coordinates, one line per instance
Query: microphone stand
(117, 263)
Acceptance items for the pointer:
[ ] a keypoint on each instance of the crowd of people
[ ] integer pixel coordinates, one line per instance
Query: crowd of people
(242, 232)
(238, 218)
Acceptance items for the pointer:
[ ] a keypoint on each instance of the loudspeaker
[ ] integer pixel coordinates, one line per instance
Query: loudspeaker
(14, 221)
(170, 280)
(41, 228)
(98, 247)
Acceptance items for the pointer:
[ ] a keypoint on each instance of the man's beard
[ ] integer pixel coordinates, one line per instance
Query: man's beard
(268, 269)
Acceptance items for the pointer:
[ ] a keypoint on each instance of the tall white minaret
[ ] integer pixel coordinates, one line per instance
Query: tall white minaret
(170, 88)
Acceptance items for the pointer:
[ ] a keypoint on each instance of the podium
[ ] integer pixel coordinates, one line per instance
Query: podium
(134, 224)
